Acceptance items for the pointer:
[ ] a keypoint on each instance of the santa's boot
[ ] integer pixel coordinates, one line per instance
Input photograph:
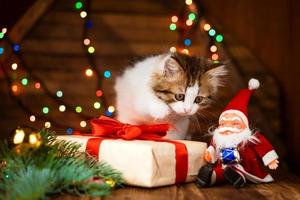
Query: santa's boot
(236, 178)
(204, 176)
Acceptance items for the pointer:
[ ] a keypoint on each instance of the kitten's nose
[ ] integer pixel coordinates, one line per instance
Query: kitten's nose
(187, 109)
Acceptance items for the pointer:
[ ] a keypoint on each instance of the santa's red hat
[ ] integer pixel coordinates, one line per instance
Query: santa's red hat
(239, 104)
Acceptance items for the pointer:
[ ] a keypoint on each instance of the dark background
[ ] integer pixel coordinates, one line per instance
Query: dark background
(270, 29)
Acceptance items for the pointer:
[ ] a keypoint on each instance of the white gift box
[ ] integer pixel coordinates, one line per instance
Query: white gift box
(145, 163)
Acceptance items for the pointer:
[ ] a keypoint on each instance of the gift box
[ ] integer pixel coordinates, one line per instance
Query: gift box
(145, 161)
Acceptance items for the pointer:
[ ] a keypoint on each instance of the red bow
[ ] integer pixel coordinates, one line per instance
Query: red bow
(108, 127)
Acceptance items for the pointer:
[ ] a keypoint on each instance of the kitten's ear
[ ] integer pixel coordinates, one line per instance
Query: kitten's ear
(214, 76)
(171, 67)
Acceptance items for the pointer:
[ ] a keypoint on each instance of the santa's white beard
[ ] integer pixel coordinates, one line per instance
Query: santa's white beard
(232, 140)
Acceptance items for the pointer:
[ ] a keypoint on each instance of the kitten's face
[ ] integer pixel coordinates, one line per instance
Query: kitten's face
(187, 83)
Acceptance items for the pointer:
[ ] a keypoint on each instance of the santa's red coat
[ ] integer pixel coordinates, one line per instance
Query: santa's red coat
(254, 154)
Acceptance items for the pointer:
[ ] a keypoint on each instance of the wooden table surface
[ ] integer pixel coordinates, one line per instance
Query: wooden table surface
(286, 186)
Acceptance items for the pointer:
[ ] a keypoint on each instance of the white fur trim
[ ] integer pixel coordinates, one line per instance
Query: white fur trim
(212, 152)
(251, 177)
(239, 113)
(269, 157)
(253, 84)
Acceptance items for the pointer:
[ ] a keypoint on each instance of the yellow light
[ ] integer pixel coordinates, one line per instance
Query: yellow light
(173, 49)
(91, 49)
(188, 2)
(86, 41)
(32, 138)
(215, 56)
(174, 19)
(32, 118)
(83, 124)
(62, 108)
(111, 109)
(89, 72)
(185, 51)
(189, 22)
(213, 48)
(14, 66)
(15, 88)
(47, 124)
(19, 136)
(83, 14)
(206, 27)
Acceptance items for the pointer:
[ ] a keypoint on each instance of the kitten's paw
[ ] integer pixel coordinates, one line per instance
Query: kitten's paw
(159, 111)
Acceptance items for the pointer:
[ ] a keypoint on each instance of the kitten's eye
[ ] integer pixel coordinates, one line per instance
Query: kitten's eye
(179, 97)
(198, 99)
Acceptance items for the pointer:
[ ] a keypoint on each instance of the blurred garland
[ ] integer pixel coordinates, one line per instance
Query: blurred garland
(36, 165)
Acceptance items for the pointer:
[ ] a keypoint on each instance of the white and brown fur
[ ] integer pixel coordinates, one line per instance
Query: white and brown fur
(151, 90)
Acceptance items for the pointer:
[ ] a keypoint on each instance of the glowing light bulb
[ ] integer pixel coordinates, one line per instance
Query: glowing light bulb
(111, 109)
(107, 74)
(219, 38)
(14, 66)
(62, 108)
(59, 93)
(78, 109)
(1, 35)
(19, 136)
(91, 50)
(99, 93)
(32, 118)
(47, 124)
(1, 50)
(215, 56)
(97, 105)
(78, 5)
(187, 42)
(83, 14)
(192, 16)
(14, 88)
(4, 30)
(213, 48)
(206, 27)
(188, 2)
(173, 27)
(83, 124)
(173, 49)
(45, 110)
(37, 85)
(16, 48)
(89, 72)
(189, 22)
(185, 51)
(212, 32)
(86, 41)
(174, 19)
(24, 81)
(69, 131)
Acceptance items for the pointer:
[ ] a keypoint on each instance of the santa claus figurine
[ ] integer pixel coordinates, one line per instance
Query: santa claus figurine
(236, 153)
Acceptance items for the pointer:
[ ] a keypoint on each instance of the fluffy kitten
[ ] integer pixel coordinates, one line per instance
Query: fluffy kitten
(167, 88)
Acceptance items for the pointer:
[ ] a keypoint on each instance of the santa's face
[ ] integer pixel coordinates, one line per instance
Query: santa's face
(230, 123)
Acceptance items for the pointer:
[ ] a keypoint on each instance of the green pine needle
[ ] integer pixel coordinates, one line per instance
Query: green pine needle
(55, 167)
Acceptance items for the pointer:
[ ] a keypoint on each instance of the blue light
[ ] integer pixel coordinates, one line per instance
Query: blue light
(69, 131)
(1, 50)
(212, 32)
(108, 114)
(107, 74)
(89, 24)
(16, 47)
(187, 42)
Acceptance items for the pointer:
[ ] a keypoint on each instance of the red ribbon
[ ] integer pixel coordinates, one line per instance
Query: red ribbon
(108, 128)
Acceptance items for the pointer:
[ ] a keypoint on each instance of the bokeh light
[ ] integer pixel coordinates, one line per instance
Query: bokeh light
(99, 93)
(215, 56)
(14, 66)
(219, 38)
(37, 85)
(86, 41)
(188, 2)
(111, 109)
(173, 49)
(32, 118)
(97, 105)
(187, 42)
(192, 16)
(47, 124)
(107, 74)
(189, 22)
(213, 48)
(59, 93)
(78, 5)
(174, 19)
(78, 109)
(24, 81)
(1, 50)
(206, 27)
(69, 131)
(91, 50)
(62, 108)
(45, 110)
(83, 124)
(212, 32)
(173, 27)
(83, 14)
(89, 72)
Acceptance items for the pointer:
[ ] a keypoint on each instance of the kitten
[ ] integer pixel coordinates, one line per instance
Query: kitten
(167, 88)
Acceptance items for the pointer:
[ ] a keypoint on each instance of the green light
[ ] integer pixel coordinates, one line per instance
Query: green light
(212, 32)
(59, 93)
(192, 16)
(219, 38)
(24, 81)
(1, 35)
(97, 105)
(172, 27)
(78, 5)
(45, 110)
(78, 109)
